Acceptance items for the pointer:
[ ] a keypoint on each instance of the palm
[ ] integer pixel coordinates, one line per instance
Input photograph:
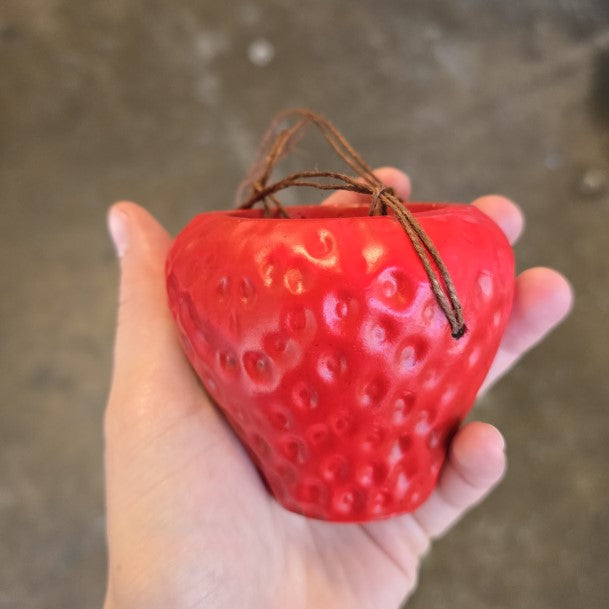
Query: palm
(190, 523)
(257, 539)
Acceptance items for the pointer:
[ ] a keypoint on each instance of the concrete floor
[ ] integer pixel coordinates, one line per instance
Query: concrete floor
(163, 103)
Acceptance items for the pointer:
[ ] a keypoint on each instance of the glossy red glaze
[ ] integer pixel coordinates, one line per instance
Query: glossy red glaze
(320, 339)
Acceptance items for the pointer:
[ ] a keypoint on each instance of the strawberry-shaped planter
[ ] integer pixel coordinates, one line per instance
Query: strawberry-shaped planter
(321, 340)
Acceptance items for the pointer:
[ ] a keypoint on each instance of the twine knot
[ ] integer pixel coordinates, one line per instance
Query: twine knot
(377, 198)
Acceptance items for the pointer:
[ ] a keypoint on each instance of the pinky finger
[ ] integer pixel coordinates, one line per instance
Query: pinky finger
(476, 463)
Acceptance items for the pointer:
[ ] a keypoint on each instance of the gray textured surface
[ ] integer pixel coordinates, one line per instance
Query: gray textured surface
(163, 102)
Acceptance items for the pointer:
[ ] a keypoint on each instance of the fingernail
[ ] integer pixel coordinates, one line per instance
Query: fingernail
(117, 227)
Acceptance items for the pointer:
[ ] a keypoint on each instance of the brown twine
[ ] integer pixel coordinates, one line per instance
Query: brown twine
(280, 139)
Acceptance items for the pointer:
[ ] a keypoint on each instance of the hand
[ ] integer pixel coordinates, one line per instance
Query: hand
(190, 523)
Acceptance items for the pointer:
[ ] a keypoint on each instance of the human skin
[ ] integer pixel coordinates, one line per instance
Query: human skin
(189, 522)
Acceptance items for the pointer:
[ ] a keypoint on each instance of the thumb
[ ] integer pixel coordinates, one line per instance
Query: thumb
(146, 346)
(157, 418)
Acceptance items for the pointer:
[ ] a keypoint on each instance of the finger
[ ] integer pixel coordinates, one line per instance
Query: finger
(476, 463)
(504, 212)
(389, 176)
(146, 347)
(543, 298)
(157, 414)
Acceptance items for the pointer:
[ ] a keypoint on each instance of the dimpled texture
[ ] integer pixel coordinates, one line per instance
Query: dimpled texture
(322, 343)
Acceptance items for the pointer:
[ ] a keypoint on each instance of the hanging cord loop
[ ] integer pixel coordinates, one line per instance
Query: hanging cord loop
(280, 139)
